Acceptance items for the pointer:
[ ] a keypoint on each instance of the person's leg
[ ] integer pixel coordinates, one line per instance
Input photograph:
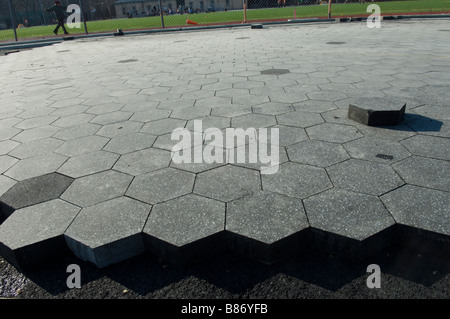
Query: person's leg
(61, 23)
(57, 28)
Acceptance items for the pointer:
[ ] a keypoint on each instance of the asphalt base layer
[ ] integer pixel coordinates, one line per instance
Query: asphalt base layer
(117, 202)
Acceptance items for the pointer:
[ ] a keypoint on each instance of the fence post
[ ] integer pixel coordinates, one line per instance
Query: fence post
(245, 10)
(82, 17)
(12, 20)
(161, 13)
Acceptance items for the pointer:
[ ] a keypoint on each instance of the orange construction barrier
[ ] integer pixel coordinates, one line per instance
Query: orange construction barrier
(190, 22)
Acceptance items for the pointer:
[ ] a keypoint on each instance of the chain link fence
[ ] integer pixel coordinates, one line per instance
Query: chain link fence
(28, 19)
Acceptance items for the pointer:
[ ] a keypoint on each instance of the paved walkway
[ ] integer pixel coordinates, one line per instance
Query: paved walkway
(85, 143)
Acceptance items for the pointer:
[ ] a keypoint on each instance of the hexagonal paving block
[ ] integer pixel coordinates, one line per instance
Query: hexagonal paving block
(108, 232)
(332, 132)
(315, 106)
(187, 228)
(143, 161)
(287, 135)
(317, 153)
(163, 126)
(86, 164)
(34, 235)
(273, 108)
(98, 187)
(150, 115)
(420, 208)
(77, 131)
(194, 167)
(425, 172)
(82, 145)
(36, 148)
(116, 129)
(297, 180)
(161, 185)
(227, 183)
(253, 120)
(266, 226)
(299, 119)
(365, 177)
(428, 146)
(33, 191)
(123, 144)
(349, 223)
(376, 150)
(36, 166)
(377, 111)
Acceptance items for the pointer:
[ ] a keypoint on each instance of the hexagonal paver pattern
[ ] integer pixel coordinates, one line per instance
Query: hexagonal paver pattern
(349, 222)
(33, 191)
(428, 146)
(426, 172)
(332, 132)
(266, 225)
(87, 164)
(108, 232)
(36, 166)
(376, 150)
(143, 161)
(365, 177)
(98, 187)
(227, 183)
(161, 185)
(184, 229)
(299, 119)
(297, 180)
(317, 153)
(33, 235)
(420, 208)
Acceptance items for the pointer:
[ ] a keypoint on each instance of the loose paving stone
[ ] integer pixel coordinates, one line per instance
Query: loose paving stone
(227, 183)
(377, 111)
(317, 153)
(185, 229)
(331, 132)
(428, 146)
(376, 150)
(86, 164)
(299, 119)
(162, 185)
(426, 172)
(365, 177)
(420, 208)
(352, 224)
(34, 235)
(36, 166)
(82, 145)
(33, 191)
(143, 161)
(123, 144)
(96, 188)
(297, 180)
(108, 232)
(266, 226)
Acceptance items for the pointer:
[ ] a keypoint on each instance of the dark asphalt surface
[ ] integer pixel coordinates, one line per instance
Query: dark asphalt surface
(406, 273)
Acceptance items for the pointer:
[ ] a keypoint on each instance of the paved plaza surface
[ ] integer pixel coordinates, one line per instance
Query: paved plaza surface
(85, 145)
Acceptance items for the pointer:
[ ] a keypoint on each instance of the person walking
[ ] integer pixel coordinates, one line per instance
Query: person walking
(60, 13)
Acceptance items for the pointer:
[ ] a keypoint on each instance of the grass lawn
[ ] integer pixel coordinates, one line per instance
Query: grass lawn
(353, 9)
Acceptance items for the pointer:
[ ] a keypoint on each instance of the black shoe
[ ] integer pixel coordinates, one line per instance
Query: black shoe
(55, 32)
